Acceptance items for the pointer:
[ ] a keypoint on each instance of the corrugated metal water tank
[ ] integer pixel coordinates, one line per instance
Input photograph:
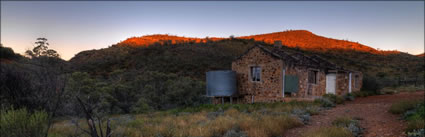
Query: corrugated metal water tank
(221, 83)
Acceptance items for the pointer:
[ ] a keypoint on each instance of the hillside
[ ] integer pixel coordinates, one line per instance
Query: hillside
(421, 55)
(294, 38)
(193, 59)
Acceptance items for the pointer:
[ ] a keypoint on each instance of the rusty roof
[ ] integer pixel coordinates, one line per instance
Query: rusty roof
(298, 58)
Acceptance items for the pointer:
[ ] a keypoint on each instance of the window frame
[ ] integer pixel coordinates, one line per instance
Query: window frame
(255, 70)
(356, 78)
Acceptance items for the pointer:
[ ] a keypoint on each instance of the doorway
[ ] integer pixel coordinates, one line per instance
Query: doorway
(330, 83)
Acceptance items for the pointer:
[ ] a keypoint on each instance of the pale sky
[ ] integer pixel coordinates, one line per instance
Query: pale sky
(74, 26)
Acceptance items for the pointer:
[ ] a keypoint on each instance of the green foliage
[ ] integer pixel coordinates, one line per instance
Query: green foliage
(415, 123)
(334, 98)
(371, 84)
(141, 106)
(325, 102)
(21, 123)
(414, 113)
(136, 92)
(416, 120)
(164, 91)
(329, 100)
(165, 71)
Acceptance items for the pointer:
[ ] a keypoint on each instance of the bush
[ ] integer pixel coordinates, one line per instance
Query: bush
(325, 102)
(21, 123)
(332, 131)
(334, 98)
(349, 97)
(414, 112)
(416, 120)
(342, 121)
(348, 123)
(403, 106)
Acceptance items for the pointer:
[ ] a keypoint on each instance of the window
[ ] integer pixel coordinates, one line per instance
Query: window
(255, 73)
(356, 78)
(312, 77)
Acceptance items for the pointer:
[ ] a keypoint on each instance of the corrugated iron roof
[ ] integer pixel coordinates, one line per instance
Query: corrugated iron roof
(298, 58)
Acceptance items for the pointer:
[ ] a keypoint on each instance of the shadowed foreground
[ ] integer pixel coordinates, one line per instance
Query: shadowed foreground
(373, 112)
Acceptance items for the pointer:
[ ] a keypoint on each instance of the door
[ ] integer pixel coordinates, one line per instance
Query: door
(330, 83)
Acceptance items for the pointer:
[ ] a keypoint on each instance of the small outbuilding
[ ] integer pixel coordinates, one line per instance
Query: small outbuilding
(271, 74)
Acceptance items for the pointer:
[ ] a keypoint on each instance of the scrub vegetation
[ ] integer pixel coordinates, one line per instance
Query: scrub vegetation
(20, 123)
(413, 111)
(343, 126)
(167, 77)
(255, 120)
(332, 131)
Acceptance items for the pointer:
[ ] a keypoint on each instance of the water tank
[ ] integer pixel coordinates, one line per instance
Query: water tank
(221, 83)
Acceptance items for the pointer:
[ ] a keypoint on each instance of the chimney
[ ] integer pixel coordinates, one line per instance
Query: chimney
(278, 43)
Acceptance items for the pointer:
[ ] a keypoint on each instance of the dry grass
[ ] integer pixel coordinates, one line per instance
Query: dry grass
(255, 123)
(332, 131)
(342, 121)
(403, 106)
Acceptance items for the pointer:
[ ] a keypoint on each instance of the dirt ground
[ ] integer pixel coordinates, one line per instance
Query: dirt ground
(373, 111)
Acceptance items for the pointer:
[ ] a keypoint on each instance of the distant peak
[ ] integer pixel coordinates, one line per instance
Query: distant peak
(292, 38)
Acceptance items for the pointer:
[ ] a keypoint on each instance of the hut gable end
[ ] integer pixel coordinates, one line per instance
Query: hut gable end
(270, 67)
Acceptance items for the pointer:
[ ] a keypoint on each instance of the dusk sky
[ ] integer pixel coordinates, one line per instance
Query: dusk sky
(72, 26)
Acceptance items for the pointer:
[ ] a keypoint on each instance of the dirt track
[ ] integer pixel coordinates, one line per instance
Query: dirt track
(373, 111)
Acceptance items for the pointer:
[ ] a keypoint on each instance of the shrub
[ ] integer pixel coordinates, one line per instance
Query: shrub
(268, 125)
(334, 98)
(403, 106)
(332, 131)
(414, 112)
(325, 102)
(349, 97)
(416, 120)
(359, 94)
(371, 84)
(21, 123)
(348, 123)
(344, 121)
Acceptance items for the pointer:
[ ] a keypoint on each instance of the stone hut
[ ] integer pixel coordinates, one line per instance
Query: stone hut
(271, 74)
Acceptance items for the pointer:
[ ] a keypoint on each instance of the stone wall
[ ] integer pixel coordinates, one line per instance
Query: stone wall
(343, 82)
(317, 89)
(269, 89)
(270, 85)
(342, 79)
